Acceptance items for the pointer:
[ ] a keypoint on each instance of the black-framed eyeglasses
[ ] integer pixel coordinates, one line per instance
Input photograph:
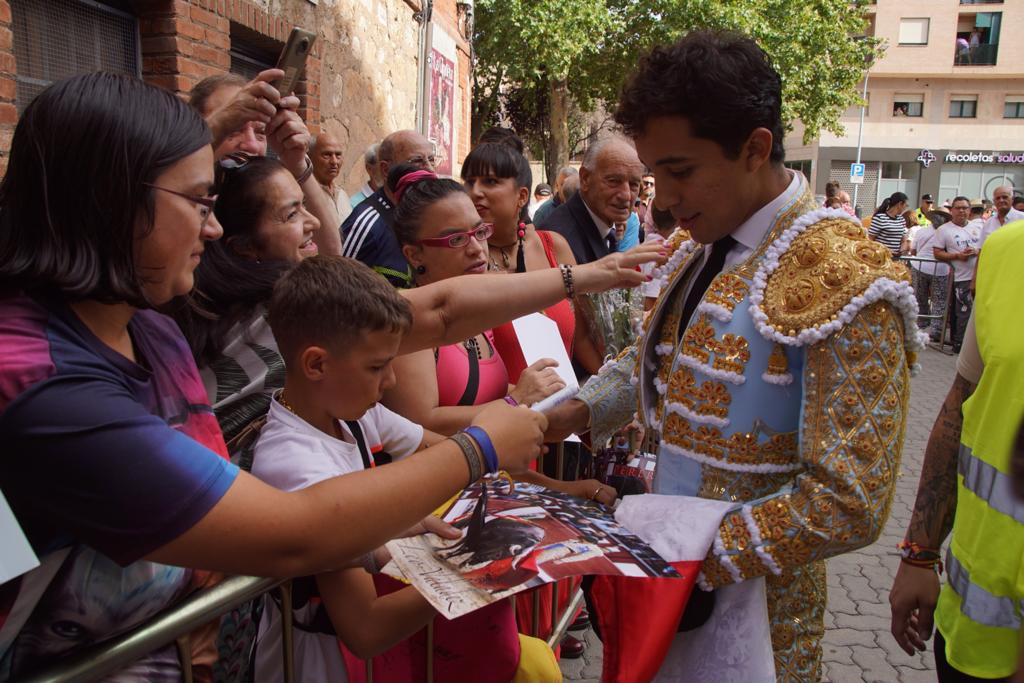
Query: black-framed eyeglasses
(205, 204)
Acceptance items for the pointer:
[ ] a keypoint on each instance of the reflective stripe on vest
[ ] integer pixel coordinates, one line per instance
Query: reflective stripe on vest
(989, 484)
(977, 603)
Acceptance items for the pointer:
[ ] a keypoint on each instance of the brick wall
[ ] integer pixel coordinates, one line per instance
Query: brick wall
(8, 110)
(360, 80)
(185, 41)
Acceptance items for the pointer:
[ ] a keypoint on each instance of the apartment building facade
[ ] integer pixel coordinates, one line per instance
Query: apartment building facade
(945, 111)
(377, 66)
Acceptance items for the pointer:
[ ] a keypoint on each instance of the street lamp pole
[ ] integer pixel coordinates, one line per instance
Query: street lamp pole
(860, 133)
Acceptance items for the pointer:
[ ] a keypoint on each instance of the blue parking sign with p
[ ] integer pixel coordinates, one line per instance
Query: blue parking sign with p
(857, 173)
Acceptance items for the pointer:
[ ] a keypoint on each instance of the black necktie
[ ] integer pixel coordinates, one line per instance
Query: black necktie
(613, 244)
(712, 267)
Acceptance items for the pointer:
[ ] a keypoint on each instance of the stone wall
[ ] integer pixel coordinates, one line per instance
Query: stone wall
(361, 81)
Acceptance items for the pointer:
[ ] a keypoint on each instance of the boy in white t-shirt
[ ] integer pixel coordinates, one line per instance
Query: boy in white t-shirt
(326, 422)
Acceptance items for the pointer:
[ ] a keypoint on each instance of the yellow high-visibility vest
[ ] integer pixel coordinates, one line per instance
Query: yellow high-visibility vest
(981, 605)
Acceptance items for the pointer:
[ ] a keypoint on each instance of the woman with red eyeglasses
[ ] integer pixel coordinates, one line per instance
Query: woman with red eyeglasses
(442, 237)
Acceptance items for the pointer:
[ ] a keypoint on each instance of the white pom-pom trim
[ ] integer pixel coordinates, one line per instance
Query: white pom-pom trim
(716, 311)
(726, 561)
(664, 349)
(780, 380)
(762, 468)
(680, 409)
(900, 294)
(609, 364)
(723, 375)
(755, 537)
(662, 274)
(660, 386)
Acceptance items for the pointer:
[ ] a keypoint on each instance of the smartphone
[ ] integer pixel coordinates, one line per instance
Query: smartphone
(293, 59)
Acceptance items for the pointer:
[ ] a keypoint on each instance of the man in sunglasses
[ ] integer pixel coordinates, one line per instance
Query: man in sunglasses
(250, 116)
(367, 232)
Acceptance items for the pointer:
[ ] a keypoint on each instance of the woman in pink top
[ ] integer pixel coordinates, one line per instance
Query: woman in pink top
(442, 237)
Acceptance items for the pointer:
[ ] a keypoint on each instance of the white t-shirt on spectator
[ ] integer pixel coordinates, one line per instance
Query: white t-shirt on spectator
(290, 455)
(921, 244)
(953, 238)
(976, 226)
(993, 224)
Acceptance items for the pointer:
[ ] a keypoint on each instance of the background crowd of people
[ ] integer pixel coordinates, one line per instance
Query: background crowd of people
(215, 360)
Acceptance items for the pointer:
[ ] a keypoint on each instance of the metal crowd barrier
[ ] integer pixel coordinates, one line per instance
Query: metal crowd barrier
(175, 625)
(910, 260)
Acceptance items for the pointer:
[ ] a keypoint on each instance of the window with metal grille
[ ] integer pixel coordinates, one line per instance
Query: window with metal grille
(55, 39)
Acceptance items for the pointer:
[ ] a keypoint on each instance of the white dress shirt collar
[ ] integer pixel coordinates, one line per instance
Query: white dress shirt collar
(602, 227)
(753, 230)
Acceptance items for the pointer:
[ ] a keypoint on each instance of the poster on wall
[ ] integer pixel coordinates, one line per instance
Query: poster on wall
(441, 109)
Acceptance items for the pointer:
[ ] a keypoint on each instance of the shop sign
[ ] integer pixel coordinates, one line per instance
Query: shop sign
(984, 158)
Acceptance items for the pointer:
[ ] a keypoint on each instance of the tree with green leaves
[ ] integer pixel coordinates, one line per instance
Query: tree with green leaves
(544, 64)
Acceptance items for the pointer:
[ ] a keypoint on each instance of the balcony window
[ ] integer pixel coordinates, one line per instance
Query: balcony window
(905, 104)
(977, 39)
(914, 31)
(1013, 107)
(963, 107)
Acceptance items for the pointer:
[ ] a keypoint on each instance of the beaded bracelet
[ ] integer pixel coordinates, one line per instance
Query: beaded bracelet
(919, 556)
(567, 281)
(301, 178)
(486, 447)
(473, 459)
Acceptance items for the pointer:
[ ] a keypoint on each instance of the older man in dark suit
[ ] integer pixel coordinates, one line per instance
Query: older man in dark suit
(609, 184)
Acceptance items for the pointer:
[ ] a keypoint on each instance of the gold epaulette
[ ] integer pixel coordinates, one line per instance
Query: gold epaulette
(815, 279)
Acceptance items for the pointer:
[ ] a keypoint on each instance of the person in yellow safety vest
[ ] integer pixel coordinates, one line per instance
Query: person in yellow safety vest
(921, 214)
(968, 485)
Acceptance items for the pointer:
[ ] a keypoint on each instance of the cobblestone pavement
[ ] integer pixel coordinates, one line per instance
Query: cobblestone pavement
(858, 646)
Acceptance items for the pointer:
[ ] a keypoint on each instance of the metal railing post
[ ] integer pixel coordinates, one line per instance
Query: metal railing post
(287, 631)
(184, 645)
(563, 624)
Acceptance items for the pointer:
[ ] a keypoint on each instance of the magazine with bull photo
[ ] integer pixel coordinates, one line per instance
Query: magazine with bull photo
(514, 541)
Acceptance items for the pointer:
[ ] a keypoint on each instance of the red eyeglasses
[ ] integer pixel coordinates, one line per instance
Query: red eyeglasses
(457, 240)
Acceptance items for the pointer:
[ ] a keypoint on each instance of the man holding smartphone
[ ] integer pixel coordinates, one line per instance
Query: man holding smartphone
(247, 116)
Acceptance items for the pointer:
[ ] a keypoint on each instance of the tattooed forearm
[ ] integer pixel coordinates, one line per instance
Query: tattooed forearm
(936, 494)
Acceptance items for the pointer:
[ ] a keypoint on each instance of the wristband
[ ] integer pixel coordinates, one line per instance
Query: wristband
(472, 456)
(567, 281)
(511, 401)
(302, 177)
(918, 556)
(486, 447)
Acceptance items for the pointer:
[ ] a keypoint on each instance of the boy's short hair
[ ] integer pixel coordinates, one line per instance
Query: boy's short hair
(720, 81)
(331, 301)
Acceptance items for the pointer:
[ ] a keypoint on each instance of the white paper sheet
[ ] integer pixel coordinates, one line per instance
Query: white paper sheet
(539, 338)
(17, 556)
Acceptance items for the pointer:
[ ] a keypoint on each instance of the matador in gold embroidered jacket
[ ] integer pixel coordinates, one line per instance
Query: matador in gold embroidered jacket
(786, 395)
